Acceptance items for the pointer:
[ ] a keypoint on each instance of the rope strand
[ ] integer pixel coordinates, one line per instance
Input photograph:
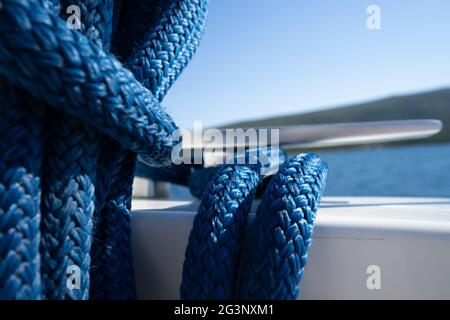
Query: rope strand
(96, 104)
(102, 113)
(281, 233)
(20, 161)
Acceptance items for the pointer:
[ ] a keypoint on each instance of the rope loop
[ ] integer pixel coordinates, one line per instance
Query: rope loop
(77, 109)
(224, 261)
(81, 104)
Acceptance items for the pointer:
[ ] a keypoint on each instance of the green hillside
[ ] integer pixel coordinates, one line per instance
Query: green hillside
(429, 105)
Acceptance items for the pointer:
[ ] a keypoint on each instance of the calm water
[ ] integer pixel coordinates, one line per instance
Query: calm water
(420, 170)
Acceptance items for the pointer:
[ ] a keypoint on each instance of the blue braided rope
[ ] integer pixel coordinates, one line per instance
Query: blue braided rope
(178, 174)
(102, 116)
(112, 270)
(87, 87)
(215, 243)
(173, 20)
(218, 265)
(81, 80)
(281, 234)
(67, 207)
(69, 178)
(20, 161)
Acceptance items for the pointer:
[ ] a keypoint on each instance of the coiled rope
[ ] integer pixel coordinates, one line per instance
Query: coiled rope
(219, 264)
(74, 119)
(98, 116)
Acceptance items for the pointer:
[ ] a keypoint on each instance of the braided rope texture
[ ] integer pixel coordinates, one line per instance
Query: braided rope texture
(220, 265)
(112, 269)
(281, 233)
(175, 22)
(81, 80)
(20, 161)
(94, 104)
(68, 181)
(215, 243)
(100, 114)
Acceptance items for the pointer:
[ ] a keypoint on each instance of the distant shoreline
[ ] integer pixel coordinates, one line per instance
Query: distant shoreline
(424, 105)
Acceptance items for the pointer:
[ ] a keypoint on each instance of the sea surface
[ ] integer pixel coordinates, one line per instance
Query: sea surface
(418, 170)
(414, 170)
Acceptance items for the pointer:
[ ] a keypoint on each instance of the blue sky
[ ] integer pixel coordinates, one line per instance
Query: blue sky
(262, 58)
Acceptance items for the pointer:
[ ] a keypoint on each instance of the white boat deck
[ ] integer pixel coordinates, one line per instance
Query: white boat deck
(363, 248)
